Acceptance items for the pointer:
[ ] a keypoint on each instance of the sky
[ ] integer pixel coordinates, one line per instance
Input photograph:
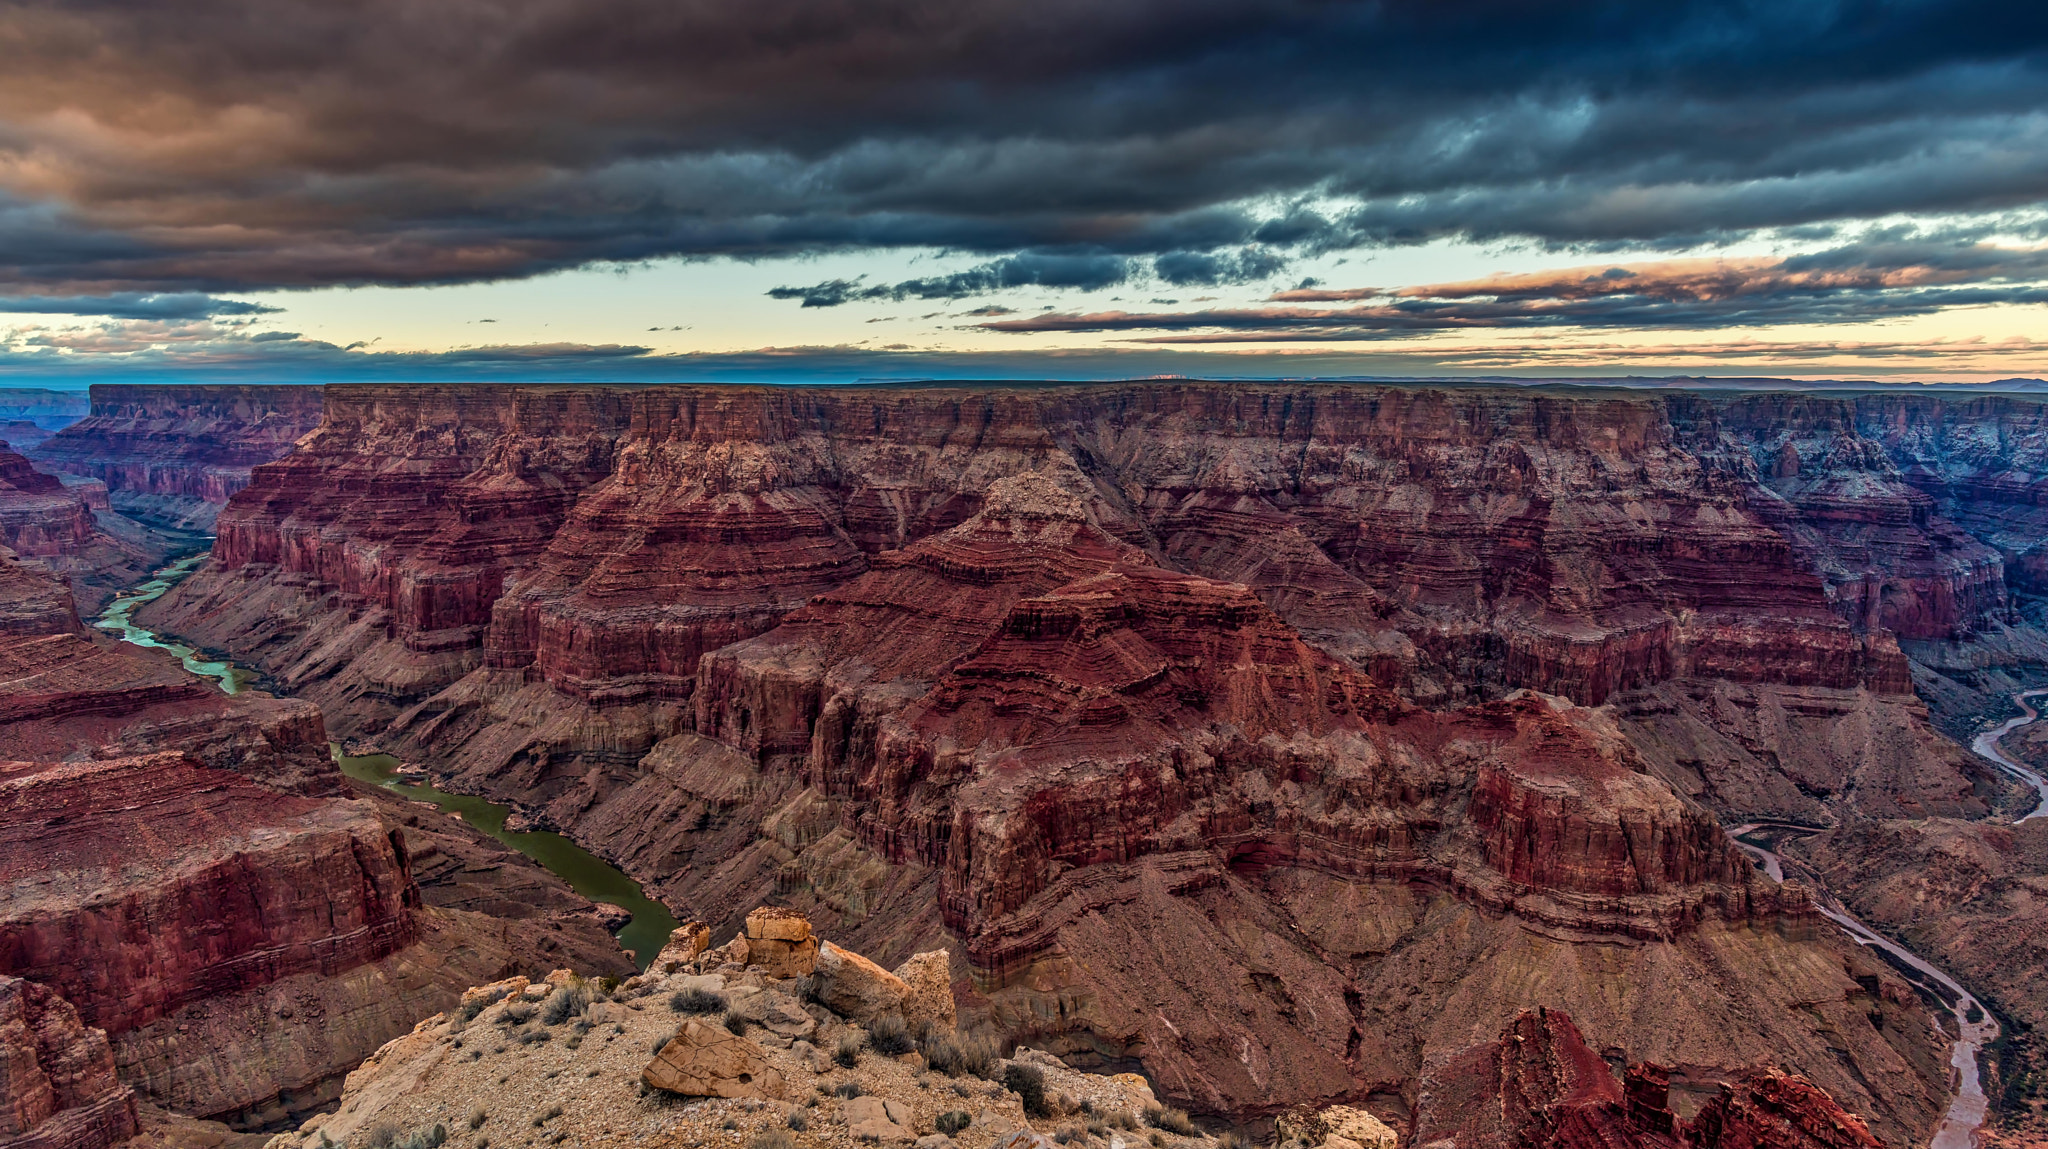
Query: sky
(298, 190)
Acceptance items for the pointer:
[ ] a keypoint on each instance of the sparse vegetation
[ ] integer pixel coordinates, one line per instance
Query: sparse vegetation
(429, 1138)
(952, 1121)
(546, 1115)
(772, 1139)
(696, 1001)
(941, 1055)
(383, 1136)
(478, 1116)
(1231, 1140)
(889, 1036)
(978, 1055)
(798, 1120)
(736, 1024)
(566, 1002)
(847, 1052)
(1028, 1083)
(518, 1013)
(848, 1090)
(1171, 1120)
(480, 1003)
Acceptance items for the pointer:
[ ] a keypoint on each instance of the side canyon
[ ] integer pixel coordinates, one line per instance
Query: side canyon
(1285, 742)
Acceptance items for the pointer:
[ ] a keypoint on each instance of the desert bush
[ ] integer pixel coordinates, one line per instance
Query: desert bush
(1231, 1140)
(848, 1090)
(736, 1024)
(772, 1139)
(1066, 1136)
(979, 1054)
(941, 1055)
(952, 1121)
(546, 1115)
(566, 1002)
(798, 1120)
(479, 1004)
(428, 1138)
(805, 988)
(847, 1052)
(517, 1013)
(1171, 1120)
(1123, 1119)
(889, 1036)
(383, 1136)
(478, 1116)
(696, 1001)
(1028, 1083)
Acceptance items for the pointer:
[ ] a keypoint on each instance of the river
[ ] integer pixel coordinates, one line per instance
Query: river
(1975, 1026)
(1986, 744)
(586, 873)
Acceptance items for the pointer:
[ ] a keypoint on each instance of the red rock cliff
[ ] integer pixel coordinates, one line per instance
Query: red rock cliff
(57, 1084)
(177, 453)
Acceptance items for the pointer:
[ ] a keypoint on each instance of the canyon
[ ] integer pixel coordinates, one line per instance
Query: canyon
(200, 914)
(1284, 741)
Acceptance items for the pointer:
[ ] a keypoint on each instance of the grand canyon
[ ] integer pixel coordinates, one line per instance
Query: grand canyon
(1533, 766)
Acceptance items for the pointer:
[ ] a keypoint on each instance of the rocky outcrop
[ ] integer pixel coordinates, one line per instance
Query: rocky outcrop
(50, 525)
(175, 454)
(1541, 1087)
(57, 1083)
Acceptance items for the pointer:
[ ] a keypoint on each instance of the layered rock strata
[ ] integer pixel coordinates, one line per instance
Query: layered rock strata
(1049, 671)
(53, 526)
(175, 454)
(1539, 1086)
(57, 1083)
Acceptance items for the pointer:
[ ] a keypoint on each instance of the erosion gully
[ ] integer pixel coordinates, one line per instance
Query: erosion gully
(600, 881)
(586, 873)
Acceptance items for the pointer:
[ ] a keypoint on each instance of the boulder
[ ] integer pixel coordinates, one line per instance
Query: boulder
(871, 1118)
(613, 917)
(685, 943)
(708, 1061)
(779, 942)
(853, 986)
(928, 977)
(1335, 1127)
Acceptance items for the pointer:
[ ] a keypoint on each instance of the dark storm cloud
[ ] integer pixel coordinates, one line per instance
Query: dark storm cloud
(228, 144)
(132, 305)
(1047, 269)
(1850, 284)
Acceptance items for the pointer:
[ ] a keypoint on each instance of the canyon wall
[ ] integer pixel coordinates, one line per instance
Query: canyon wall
(57, 1084)
(1081, 681)
(56, 527)
(174, 454)
(180, 865)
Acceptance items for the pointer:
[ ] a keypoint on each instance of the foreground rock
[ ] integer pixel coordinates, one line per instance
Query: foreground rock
(506, 1067)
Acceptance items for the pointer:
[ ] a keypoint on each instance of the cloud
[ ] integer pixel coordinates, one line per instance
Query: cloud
(133, 305)
(192, 149)
(1851, 284)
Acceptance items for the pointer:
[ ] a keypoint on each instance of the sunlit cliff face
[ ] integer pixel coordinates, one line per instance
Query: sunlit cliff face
(1212, 187)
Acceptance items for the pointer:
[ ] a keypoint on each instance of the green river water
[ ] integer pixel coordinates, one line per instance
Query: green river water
(586, 873)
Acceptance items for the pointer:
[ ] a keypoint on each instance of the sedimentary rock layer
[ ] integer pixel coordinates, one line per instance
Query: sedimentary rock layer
(57, 1083)
(174, 454)
(1094, 678)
